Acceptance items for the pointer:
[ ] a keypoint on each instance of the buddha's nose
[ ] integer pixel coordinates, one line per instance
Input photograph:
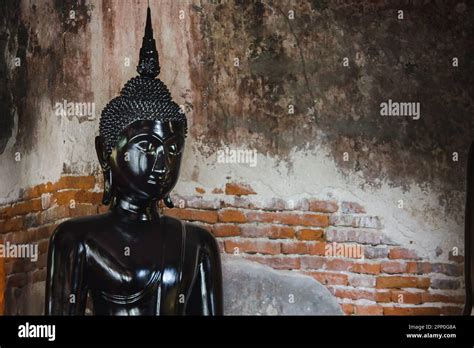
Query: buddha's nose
(160, 167)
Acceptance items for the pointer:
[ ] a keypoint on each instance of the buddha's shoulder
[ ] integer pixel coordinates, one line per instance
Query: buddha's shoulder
(76, 229)
(194, 232)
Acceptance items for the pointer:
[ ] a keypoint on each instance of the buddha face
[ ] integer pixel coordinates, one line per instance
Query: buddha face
(146, 160)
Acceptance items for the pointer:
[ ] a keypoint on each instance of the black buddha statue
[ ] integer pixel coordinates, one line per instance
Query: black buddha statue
(131, 260)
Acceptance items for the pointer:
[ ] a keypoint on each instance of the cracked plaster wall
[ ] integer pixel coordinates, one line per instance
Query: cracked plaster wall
(282, 61)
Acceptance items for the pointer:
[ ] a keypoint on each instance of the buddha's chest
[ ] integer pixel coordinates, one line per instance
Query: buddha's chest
(149, 269)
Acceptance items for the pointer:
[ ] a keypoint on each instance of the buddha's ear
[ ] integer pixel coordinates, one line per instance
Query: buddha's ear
(108, 190)
(100, 149)
(168, 202)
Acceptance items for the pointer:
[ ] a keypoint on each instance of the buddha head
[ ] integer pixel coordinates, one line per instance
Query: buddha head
(141, 134)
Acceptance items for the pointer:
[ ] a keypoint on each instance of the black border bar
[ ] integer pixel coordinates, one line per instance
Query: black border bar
(315, 330)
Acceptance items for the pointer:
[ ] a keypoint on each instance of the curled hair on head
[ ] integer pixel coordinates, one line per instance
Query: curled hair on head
(141, 98)
(144, 97)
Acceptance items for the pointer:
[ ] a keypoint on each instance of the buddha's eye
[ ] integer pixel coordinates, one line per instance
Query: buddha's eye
(173, 149)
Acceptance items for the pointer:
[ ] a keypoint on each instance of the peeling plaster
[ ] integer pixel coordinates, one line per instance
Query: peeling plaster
(282, 62)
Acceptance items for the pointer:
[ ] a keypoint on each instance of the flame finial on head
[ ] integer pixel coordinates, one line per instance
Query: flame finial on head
(149, 63)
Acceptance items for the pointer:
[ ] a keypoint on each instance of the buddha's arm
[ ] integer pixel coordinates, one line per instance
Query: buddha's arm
(211, 266)
(66, 293)
(210, 278)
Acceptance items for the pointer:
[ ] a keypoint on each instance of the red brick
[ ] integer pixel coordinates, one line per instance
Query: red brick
(442, 297)
(323, 206)
(278, 262)
(402, 282)
(310, 234)
(208, 216)
(368, 310)
(362, 280)
(101, 209)
(53, 214)
(312, 262)
(231, 215)
(329, 278)
(252, 246)
(268, 231)
(352, 208)
(451, 284)
(65, 182)
(411, 311)
(347, 308)
(44, 231)
(66, 197)
(21, 208)
(21, 237)
(418, 267)
(37, 191)
(289, 218)
(378, 252)
(4, 212)
(91, 197)
(31, 220)
(449, 269)
(354, 294)
(77, 182)
(238, 189)
(393, 267)
(362, 236)
(383, 296)
(456, 258)
(336, 264)
(406, 297)
(82, 209)
(225, 230)
(19, 265)
(311, 248)
(402, 253)
(366, 268)
(43, 246)
(12, 224)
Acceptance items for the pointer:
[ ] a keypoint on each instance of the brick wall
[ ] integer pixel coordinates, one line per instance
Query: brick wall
(32, 220)
(314, 236)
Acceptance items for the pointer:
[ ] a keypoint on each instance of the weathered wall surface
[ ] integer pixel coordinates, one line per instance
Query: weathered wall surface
(253, 77)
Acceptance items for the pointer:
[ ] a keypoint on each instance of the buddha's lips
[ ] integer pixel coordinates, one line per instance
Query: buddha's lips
(162, 181)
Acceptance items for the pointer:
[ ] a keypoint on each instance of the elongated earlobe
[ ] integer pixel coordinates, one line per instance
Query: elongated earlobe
(107, 172)
(168, 202)
(108, 191)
